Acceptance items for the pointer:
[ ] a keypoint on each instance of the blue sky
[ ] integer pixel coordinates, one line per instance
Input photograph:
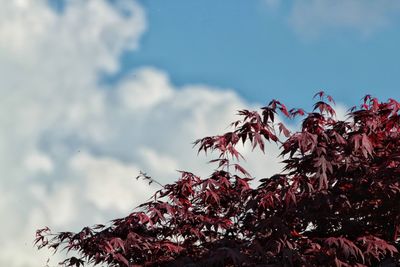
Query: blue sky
(251, 47)
(92, 92)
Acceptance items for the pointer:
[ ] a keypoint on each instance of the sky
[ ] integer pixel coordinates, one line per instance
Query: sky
(92, 92)
(274, 49)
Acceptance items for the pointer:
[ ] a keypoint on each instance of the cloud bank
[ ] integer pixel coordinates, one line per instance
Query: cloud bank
(70, 146)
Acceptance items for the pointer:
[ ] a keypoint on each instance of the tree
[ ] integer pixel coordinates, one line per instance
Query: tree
(336, 202)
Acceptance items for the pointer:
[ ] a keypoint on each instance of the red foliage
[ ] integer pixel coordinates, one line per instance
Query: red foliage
(336, 203)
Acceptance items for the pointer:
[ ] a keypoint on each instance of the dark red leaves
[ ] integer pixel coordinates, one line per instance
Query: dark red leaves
(274, 104)
(335, 204)
(73, 261)
(268, 114)
(324, 107)
(297, 112)
(376, 249)
(320, 94)
(171, 247)
(345, 248)
(283, 129)
(240, 169)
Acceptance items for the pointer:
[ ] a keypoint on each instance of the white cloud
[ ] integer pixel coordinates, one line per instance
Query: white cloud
(143, 90)
(71, 147)
(341, 112)
(312, 18)
(109, 184)
(159, 164)
(50, 105)
(39, 162)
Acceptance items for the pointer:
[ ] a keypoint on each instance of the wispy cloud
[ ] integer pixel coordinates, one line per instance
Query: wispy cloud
(313, 18)
(273, 4)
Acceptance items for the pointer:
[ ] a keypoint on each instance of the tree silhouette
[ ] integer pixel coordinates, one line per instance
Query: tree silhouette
(336, 202)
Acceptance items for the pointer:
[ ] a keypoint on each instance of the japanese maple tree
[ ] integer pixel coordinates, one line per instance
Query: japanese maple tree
(336, 202)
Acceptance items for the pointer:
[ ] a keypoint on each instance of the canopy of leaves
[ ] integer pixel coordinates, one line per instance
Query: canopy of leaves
(336, 203)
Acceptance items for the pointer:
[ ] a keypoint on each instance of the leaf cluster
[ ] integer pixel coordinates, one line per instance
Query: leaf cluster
(336, 203)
